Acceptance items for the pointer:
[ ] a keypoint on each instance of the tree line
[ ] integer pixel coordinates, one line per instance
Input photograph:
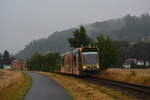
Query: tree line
(51, 62)
(112, 53)
(44, 62)
(108, 53)
(128, 28)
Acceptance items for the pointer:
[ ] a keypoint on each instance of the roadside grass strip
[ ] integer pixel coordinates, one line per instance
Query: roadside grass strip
(14, 85)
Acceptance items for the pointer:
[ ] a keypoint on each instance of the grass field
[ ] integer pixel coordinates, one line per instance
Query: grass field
(138, 76)
(82, 90)
(13, 85)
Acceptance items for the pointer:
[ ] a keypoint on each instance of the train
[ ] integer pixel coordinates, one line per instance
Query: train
(81, 61)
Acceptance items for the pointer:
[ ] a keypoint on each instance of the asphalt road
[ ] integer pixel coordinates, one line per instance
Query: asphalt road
(44, 88)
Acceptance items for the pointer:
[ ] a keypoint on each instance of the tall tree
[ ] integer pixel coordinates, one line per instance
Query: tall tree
(6, 58)
(123, 49)
(80, 38)
(0, 59)
(107, 52)
(1, 62)
(140, 51)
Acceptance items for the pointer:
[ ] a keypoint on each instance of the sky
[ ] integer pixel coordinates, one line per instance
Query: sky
(22, 21)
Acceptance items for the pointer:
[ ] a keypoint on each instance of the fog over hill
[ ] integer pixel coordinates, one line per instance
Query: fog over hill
(129, 28)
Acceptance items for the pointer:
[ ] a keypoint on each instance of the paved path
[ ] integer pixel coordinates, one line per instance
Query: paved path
(44, 88)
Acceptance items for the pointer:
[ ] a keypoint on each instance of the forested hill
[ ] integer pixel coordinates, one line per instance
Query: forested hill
(129, 28)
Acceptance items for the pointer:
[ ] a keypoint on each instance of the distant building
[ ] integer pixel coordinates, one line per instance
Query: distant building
(7, 66)
(128, 63)
(132, 63)
(18, 65)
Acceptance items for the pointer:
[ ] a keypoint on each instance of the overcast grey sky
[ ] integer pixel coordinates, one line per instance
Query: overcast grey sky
(21, 21)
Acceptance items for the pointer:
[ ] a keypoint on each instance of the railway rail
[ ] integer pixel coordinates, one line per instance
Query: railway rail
(131, 86)
(140, 91)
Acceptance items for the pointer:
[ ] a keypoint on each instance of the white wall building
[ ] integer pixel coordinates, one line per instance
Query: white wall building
(7, 66)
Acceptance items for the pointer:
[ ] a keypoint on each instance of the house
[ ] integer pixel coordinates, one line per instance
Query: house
(134, 63)
(7, 66)
(18, 65)
(129, 63)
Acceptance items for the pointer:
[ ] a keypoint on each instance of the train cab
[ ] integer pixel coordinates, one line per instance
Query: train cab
(81, 61)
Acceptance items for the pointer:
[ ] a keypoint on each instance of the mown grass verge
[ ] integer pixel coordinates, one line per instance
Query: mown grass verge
(19, 83)
(82, 90)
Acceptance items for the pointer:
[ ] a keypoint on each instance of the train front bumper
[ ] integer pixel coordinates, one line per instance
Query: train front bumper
(90, 67)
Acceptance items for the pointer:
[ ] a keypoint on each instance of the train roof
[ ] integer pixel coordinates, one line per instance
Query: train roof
(63, 54)
(75, 50)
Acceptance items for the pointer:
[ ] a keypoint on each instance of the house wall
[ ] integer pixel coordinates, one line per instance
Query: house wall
(18, 65)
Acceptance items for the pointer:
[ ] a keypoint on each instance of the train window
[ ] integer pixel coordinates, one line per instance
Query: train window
(89, 50)
(90, 58)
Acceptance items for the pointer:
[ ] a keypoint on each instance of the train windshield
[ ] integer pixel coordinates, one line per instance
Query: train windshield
(90, 57)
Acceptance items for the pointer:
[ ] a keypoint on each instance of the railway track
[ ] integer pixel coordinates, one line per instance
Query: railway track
(134, 87)
(141, 91)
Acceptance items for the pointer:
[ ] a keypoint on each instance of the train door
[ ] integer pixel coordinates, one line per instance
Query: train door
(74, 64)
(77, 64)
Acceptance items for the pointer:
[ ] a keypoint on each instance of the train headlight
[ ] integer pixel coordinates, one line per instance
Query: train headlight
(97, 66)
(84, 67)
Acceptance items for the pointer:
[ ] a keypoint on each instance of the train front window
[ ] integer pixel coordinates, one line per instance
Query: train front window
(90, 57)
